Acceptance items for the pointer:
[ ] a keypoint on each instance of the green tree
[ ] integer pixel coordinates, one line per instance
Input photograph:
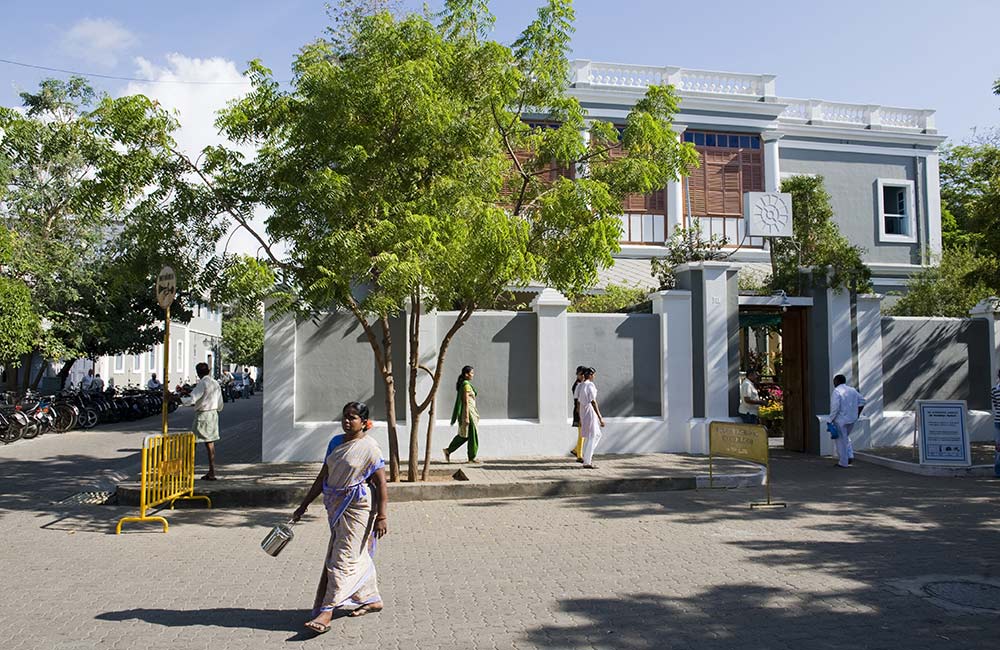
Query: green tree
(85, 184)
(615, 298)
(412, 162)
(952, 287)
(243, 340)
(686, 245)
(19, 324)
(816, 243)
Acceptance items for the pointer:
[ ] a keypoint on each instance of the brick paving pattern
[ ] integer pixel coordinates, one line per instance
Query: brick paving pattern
(692, 569)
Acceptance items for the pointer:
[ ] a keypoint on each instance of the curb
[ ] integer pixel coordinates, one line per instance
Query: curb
(925, 470)
(259, 496)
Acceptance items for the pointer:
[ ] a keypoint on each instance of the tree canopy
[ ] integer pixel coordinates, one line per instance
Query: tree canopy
(415, 160)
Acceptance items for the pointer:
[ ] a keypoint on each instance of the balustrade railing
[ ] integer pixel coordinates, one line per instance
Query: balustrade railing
(750, 86)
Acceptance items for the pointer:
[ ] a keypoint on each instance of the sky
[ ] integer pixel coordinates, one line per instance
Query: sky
(905, 53)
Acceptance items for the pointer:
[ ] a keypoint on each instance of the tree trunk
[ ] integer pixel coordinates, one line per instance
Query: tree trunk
(390, 400)
(430, 431)
(64, 373)
(26, 371)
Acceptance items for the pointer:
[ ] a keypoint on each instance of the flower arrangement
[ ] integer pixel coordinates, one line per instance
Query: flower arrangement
(771, 411)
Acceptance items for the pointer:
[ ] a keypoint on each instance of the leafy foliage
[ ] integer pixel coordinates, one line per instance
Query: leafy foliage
(98, 201)
(243, 340)
(817, 243)
(951, 288)
(615, 298)
(412, 162)
(686, 245)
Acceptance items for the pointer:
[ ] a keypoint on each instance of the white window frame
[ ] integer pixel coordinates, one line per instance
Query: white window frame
(137, 363)
(911, 214)
(179, 361)
(119, 363)
(151, 359)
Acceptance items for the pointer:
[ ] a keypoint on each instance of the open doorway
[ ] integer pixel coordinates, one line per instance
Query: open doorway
(773, 342)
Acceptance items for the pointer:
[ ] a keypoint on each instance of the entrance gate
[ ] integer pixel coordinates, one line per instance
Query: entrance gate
(788, 364)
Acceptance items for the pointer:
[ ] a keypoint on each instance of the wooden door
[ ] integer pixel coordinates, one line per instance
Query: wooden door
(795, 379)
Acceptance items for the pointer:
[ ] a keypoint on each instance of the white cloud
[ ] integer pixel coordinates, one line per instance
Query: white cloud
(196, 106)
(98, 40)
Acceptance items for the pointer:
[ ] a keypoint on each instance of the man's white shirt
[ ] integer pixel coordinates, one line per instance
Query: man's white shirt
(844, 404)
(206, 395)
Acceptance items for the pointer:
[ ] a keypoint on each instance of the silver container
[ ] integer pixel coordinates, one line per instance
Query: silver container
(277, 539)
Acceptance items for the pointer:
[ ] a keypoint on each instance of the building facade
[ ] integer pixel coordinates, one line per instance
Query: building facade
(879, 165)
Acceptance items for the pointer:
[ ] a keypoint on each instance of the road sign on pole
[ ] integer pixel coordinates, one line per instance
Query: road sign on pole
(166, 287)
(166, 291)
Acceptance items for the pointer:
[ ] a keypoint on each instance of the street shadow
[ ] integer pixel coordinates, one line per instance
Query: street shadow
(268, 620)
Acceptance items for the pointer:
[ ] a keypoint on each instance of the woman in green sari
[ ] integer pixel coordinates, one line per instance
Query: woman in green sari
(466, 415)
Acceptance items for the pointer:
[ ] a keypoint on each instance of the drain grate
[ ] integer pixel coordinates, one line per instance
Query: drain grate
(94, 498)
(966, 593)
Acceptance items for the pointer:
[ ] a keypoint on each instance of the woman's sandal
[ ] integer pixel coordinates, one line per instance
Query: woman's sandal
(365, 609)
(318, 628)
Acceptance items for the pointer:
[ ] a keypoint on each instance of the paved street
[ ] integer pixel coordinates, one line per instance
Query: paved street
(691, 569)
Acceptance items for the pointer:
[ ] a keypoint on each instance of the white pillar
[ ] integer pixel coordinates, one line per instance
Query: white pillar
(676, 396)
(277, 435)
(772, 165)
(869, 310)
(989, 310)
(933, 207)
(675, 195)
(553, 358)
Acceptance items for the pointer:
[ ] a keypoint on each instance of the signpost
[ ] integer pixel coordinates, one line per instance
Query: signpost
(743, 441)
(166, 291)
(943, 434)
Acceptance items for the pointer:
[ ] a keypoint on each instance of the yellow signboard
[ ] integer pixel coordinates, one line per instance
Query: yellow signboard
(744, 441)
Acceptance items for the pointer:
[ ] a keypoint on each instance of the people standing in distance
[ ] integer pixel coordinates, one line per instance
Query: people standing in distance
(206, 398)
(995, 398)
(750, 401)
(153, 383)
(467, 416)
(591, 420)
(846, 405)
(86, 384)
(578, 450)
(352, 482)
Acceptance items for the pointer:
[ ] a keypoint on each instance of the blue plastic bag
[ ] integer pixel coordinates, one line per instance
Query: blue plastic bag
(833, 429)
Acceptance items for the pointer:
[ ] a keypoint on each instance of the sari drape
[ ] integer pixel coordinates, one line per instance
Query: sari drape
(348, 576)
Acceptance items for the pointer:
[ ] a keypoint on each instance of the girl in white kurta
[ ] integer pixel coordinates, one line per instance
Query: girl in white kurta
(353, 485)
(590, 416)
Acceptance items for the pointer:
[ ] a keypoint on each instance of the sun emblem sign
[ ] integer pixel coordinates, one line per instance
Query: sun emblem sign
(767, 214)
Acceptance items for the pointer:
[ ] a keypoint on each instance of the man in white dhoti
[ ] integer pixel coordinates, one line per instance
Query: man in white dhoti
(591, 420)
(206, 398)
(846, 405)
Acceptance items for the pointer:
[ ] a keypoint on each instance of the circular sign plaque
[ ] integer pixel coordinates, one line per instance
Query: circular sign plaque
(166, 287)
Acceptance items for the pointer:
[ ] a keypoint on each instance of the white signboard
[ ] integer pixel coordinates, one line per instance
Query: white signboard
(166, 287)
(767, 214)
(944, 437)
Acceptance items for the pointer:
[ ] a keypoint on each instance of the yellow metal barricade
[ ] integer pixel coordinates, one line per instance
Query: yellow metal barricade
(743, 441)
(167, 475)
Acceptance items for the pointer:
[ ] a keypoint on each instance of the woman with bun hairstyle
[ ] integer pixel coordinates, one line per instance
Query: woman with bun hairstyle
(353, 485)
(467, 416)
(591, 420)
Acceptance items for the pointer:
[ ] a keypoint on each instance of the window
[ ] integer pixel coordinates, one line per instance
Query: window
(179, 364)
(137, 362)
(896, 217)
(151, 359)
(643, 216)
(119, 363)
(731, 164)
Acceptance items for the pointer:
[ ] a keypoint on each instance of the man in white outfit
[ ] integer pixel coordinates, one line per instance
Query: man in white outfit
(206, 398)
(846, 405)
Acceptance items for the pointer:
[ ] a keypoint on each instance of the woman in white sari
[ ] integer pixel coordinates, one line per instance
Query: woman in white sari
(353, 485)
(591, 420)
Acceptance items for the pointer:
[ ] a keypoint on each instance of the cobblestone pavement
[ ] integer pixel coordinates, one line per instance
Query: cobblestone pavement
(693, 569)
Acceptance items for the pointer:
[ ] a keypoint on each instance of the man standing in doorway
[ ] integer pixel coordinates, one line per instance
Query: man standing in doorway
(206, 398)
(750, 401)
(846, 405)
(995, 398)
(88, 381)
